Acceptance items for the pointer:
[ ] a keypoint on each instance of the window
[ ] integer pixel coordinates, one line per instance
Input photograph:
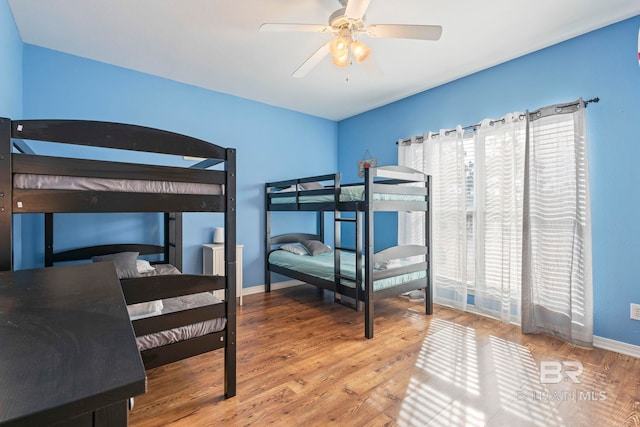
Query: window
(515, 233)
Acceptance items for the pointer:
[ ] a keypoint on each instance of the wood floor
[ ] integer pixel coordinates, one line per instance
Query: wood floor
(304, 361)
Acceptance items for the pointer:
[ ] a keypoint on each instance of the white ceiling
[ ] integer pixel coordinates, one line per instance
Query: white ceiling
(216, 44)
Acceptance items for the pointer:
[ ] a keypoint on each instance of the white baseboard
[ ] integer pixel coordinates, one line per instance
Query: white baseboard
(274, 287)
(617, 346)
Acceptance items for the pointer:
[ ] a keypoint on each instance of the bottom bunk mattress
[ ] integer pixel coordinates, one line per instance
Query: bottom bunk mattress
(172, 305)
(322, 266)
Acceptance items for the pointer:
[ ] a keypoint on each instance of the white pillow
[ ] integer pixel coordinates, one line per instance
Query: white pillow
(392, 263)
(288, 189)
(144, 266)
(145, 309)
(311, 186)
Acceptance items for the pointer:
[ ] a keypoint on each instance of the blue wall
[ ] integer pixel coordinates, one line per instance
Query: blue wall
(11, 64)
(602, 63)
(272, 144)
(11, 86)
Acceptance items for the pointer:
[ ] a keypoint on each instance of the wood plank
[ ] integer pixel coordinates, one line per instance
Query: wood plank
(302, 360)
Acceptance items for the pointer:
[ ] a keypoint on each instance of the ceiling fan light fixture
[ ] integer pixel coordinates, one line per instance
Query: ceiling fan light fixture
(339, 47)
(347, 24)
(341, 61)
(360, 51)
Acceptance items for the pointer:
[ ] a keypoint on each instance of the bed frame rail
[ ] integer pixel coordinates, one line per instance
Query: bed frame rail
(168, 321)
(68, 201)
(91, 251)
(115, 135)
(181, 350)
(398, 252)
(144, 289)
(295, 238)
(330, 183)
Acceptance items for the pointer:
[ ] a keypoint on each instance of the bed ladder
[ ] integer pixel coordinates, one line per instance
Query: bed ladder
(339, 277)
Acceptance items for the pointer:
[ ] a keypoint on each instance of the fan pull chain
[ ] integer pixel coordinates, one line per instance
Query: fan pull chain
(348, 75)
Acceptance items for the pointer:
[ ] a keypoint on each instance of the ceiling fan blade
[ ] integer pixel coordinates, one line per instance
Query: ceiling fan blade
(399, 31)
(356, 8)
(308, 28)
(312, 61)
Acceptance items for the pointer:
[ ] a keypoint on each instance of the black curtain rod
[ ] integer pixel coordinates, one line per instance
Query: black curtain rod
(421, 138)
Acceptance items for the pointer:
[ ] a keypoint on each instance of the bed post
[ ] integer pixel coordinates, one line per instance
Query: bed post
(267, 239)
(368, 254)
(337, 239)
(230, 273)
(173, 239)
(428, 292)
(6, 197)
(48, 239)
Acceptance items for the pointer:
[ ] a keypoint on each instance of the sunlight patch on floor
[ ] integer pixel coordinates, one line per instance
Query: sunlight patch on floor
(465, 380)
(450, 353)
(425, 404)
(518, 384)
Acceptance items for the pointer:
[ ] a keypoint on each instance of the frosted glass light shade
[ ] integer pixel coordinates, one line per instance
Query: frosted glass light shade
(339, 47)
(218, 235)
(360, 50)
(341, 61)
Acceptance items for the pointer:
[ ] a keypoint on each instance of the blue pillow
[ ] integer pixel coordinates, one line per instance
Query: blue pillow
(125, 263)
(316, 247)
(295, 248)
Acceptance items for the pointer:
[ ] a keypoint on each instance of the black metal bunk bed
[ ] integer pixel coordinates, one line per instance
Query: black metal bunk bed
(22, 162)
(384, 189)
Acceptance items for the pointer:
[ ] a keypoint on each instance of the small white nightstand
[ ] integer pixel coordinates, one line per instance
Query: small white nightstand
(213, 264)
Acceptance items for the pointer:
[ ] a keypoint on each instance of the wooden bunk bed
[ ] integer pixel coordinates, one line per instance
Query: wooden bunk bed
(358, 273)
(31, 183)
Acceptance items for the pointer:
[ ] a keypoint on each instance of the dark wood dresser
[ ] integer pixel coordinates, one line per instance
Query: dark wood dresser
(67, 350)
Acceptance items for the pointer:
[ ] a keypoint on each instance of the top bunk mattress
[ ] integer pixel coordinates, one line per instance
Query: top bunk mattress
(53, 182)
(351, 193)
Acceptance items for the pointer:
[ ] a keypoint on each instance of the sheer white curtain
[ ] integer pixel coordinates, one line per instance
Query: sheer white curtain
(499, 176)
(441, 155)
(557, 295)
(528, 228)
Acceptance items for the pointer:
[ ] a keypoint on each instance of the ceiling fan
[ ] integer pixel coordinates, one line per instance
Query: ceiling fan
(347, 24)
